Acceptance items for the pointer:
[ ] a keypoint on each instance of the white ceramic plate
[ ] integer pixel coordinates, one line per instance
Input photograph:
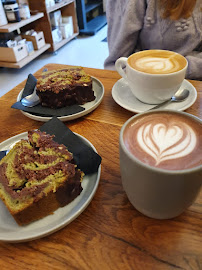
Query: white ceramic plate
(98, 89)
(10, 231)
(123, 96)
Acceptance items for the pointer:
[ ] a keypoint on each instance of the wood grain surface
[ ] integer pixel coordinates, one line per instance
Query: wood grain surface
(110, 233)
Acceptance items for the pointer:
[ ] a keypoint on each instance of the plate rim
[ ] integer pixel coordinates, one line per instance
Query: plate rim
(62, 224)
(141, 111)
(67, 117)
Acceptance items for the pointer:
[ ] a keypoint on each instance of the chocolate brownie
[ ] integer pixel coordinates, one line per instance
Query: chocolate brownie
(64, 87)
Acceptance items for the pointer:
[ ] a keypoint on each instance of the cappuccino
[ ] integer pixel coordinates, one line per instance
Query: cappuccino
(165, 140)
(153, 76)
(157, 61)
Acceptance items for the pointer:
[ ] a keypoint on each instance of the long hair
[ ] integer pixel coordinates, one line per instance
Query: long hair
(176, 9)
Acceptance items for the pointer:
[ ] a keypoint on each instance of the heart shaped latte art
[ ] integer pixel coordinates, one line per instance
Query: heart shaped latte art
(166, 142)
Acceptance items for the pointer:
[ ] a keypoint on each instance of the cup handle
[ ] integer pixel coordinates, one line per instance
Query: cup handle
(120, 64)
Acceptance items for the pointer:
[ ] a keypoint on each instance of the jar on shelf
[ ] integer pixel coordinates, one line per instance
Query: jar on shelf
(12, 11)
(24, 11)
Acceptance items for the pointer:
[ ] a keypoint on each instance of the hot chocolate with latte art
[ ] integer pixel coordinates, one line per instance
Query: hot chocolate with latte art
(157, 61)
(165, 140)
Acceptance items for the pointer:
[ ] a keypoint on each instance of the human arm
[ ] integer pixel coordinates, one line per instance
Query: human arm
(125, 19)
(194, 70)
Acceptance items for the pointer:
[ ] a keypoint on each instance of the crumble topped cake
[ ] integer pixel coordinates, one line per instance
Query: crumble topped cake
(38, 176)
(64, 87)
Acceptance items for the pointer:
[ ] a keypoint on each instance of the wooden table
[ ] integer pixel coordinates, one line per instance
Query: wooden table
(110, 233)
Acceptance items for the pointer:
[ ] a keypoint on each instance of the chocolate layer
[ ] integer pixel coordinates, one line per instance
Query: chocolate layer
(22, 192)
(31, 165)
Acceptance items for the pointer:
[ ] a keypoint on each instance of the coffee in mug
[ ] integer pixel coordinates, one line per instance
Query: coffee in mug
(160, 161)
(153, 76)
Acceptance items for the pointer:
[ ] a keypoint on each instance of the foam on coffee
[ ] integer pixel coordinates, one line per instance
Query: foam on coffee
(157, 61)
(165, 140)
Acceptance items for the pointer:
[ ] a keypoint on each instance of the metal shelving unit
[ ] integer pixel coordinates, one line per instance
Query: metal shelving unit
(91, 17)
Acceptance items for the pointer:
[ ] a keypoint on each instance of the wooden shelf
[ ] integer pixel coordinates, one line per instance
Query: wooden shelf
(67, 7)
(10, 27)
(25, 60)
(63, 42)
(59, 5)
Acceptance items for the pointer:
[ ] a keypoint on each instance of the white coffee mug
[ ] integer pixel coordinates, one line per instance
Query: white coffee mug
(148, 87)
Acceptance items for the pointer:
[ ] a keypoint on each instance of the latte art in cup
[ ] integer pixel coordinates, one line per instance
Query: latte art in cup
(157, 61)
(165, 140)
(157, 64)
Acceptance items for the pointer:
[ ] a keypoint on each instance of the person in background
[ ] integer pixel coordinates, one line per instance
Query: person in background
(174, 25)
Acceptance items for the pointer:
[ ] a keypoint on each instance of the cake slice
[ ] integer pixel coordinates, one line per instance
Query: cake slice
(37, 177)
(64, 87)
